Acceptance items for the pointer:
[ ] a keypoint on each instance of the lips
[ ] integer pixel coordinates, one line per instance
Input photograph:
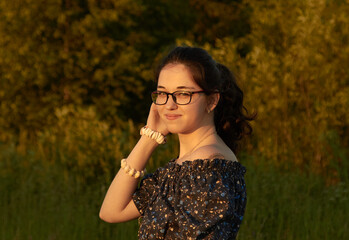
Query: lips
(172, 116)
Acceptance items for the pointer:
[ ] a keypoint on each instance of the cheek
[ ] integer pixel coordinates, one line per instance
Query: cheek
(196, 113)
(159, 109)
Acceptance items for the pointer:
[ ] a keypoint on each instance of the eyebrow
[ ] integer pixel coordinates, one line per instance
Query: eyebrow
(179, 87)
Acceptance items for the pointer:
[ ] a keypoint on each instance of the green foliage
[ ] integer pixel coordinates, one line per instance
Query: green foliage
(92, 53)
(41, 203)
(84, 146)
(307, 79)
(61, 53)
(296, 77)
(75, 78)
(290, 205)
(219, 19)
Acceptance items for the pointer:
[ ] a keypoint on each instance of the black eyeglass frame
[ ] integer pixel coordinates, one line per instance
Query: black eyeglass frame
(174, 97)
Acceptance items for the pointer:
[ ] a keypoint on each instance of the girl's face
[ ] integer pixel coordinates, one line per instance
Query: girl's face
(181, 118)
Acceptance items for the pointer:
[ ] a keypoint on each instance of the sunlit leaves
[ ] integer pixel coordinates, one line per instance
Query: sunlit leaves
(291, 58)
(296, 76)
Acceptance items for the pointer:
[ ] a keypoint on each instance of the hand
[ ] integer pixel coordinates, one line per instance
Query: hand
(155, 122)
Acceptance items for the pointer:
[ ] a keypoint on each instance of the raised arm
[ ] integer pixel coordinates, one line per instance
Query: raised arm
(118, 205)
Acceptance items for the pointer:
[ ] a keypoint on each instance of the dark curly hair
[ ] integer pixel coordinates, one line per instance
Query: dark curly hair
(231, 123)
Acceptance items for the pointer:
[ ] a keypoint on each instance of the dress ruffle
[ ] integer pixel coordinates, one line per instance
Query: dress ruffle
(199, 199)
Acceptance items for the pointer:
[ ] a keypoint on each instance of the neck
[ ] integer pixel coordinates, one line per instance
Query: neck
(188, 143)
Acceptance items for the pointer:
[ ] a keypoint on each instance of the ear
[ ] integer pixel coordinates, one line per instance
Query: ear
(212, 101)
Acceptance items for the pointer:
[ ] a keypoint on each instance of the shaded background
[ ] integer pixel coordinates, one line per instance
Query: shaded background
(75, 83)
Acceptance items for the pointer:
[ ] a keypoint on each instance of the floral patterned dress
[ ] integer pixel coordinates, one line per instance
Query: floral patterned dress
(200, 199)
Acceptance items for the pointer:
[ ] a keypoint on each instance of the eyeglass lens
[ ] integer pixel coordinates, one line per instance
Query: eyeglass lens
(180, 98)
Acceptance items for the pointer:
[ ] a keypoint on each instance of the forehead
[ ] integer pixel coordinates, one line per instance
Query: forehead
(173, 76)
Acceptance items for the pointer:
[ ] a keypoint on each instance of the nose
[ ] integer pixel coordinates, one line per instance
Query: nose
(171, 103)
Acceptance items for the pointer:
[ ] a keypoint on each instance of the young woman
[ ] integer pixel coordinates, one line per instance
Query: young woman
(201, 193)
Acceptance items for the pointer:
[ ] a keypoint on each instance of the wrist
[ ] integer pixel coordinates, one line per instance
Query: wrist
(148, 143)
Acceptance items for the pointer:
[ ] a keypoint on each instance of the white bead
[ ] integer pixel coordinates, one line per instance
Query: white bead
(158, 137)
(131, 172)
(123, 163)
(137, 174)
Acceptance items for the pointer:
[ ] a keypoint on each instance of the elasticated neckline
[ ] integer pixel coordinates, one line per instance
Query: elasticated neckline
(203, 164)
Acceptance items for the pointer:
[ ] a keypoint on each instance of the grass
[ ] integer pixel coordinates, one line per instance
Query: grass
(292, 205)
(40, 201)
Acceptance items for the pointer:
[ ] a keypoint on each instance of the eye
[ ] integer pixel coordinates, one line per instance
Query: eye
(161, 94)
(182, 94)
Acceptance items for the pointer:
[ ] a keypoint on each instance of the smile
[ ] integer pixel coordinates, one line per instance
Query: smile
(172, 116)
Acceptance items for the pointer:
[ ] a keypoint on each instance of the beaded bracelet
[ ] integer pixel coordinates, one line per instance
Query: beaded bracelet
(158, 137)
(131, 171)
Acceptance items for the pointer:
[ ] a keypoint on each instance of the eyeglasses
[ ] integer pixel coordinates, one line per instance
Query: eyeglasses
(179, 97)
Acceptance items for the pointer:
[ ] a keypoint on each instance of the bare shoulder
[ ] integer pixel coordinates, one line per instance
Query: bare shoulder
(214, 151)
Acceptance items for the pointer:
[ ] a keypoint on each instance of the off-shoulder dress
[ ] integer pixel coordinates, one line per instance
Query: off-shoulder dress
(200, 199)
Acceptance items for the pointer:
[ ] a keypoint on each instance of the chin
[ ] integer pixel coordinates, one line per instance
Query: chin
(177, 130)
(174, 129)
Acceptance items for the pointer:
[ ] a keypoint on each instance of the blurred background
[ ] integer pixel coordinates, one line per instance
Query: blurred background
(75, 83)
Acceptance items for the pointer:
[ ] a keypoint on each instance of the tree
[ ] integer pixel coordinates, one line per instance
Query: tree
(297, 77)
(59, 52)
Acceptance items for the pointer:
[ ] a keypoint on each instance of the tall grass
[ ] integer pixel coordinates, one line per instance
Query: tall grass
(288, 204)
(40, 201)
(54, 189)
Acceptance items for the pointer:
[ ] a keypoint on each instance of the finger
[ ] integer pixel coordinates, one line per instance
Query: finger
(153, 107)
